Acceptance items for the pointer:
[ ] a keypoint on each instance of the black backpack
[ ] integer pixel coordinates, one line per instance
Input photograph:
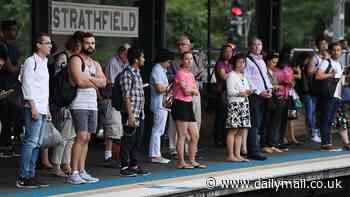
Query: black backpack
(117, 94)
(324, 88)
(63, 92)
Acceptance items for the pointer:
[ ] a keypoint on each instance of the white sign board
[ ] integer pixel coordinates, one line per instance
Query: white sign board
(101, 20)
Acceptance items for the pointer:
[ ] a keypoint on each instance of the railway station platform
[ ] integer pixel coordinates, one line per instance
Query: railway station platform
(304, 166)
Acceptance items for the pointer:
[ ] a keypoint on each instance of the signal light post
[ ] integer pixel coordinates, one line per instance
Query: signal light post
(237, 20)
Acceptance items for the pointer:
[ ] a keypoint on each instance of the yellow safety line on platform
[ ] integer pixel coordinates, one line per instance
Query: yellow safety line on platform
(185, 178)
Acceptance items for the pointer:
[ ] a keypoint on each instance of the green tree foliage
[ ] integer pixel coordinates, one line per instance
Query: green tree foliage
(18, 10)
(303, 20)
(220, 22)
(191, 17)
(187, 16)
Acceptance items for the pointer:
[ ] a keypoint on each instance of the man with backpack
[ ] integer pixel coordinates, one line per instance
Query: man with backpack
(87, 74)
(35, 88)
(309, 99)
(111, 118)
(61, 116)
(329, 69)
(133, 115)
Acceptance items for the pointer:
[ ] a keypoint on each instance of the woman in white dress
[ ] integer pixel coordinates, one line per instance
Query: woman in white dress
(238, 115)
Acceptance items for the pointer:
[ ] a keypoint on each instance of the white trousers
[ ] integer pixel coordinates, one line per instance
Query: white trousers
(158, 128)
(62, 153)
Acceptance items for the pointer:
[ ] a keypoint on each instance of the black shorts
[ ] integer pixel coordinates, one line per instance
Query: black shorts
(182, 111)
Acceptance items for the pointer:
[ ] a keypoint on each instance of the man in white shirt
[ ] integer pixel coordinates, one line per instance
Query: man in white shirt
(256, 73)
(35, 88)
(330, 68)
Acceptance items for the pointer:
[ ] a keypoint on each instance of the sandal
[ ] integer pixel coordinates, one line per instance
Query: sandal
(45, 167)
(198, 165)
(232, 160)
(244, 160)
(346, 147)
(59, 173)
(185, 166)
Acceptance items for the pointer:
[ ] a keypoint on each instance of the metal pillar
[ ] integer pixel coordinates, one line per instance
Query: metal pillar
(41, 16)
(338, 20)
(269, 23)
(209, 38)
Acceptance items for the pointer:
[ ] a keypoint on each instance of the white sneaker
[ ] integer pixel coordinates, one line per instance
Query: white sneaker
(161, 160)
(75, 179)
(316, 139)
(88, 178)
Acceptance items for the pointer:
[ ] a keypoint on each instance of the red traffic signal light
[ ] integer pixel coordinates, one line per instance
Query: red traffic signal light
(236, 8)
(236, 11)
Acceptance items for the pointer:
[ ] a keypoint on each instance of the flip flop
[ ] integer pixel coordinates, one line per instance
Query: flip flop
(185, 167)
(199, 166)
(245, 160)
(59, 173)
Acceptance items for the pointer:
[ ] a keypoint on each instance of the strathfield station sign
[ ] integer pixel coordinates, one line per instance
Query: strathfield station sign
(101, 20)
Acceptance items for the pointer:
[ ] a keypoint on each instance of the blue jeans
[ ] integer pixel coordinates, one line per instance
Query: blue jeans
(328, 108)
(257, 106)
(310, 111)
(31, 143)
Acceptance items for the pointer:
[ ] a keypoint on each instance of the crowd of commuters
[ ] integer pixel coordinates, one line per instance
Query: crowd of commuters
(274, 82)
(257, 95)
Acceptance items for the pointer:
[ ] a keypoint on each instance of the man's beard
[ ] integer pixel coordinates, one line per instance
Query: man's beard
(89, 51)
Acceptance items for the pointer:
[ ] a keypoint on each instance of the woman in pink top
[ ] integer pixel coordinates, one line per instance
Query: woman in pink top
(285, 77)
(222, 68)
(182, 112)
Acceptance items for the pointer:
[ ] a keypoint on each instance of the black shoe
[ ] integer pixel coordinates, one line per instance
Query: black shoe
(258, 157)
(40, 183)
(110, 163)
(126, 171)
(173, 156)
(283, 147)
(27, 183)
(139, 171)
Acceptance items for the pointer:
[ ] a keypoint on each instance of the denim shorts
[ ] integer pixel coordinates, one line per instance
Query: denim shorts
(84, 120)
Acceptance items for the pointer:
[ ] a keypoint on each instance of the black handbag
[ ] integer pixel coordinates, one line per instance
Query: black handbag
(106, 92)
(326, 87)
